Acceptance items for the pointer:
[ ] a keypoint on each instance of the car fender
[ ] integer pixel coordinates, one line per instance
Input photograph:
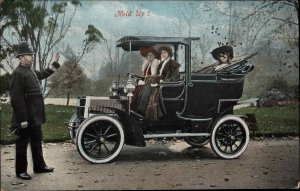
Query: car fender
(132, 130)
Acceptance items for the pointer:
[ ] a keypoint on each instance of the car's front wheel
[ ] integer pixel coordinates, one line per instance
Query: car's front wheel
(230, 137)
(73, 126)
(100, 139)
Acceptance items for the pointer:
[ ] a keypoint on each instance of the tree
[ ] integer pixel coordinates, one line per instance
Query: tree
(69, 78)
(257, 23)
(200, 51)
(43, 24)
(190, 13)
(4, 83)
(280, 5)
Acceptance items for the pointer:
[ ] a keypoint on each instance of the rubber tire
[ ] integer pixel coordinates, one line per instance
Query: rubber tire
(213, 137)
(85, 124)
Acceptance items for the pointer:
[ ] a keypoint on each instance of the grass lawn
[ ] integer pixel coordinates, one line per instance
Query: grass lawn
(54, 130)
(278, 121)
(275, 120)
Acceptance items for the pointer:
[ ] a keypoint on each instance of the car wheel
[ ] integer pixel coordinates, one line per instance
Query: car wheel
(197, 141)
(100, 139)
(73, 126)
(230, 137)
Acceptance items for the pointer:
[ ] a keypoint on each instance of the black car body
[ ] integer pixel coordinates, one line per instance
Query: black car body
(198, 108)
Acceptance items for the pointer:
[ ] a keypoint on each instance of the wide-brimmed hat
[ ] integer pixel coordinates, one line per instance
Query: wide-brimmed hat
(24, 49)
(166, 48)
(144, 51)
(222, 50)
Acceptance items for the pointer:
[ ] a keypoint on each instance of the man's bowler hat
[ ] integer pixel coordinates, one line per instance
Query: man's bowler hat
(24, 49)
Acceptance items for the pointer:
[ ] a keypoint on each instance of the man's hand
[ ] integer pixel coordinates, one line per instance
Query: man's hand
(55, 57)
(24, 124)
(54, 62)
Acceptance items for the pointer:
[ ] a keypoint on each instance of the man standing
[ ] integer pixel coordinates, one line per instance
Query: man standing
(28, 110)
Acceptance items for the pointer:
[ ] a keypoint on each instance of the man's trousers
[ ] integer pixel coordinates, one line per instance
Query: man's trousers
(34, 134)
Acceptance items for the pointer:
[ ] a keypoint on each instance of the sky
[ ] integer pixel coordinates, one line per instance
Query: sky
(116, 19)
(159, 16)
(123, 17)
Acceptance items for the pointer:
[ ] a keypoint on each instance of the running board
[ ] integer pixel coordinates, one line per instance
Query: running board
(177, 135)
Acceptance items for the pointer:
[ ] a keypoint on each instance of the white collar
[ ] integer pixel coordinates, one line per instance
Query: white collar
(163, 65)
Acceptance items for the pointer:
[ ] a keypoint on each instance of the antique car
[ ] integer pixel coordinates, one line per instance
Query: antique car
(198, 108)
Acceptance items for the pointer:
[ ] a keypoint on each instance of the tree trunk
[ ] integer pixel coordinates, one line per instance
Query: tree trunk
(68, 98)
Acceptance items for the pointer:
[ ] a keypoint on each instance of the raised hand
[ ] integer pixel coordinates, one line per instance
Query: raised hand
(55, 57)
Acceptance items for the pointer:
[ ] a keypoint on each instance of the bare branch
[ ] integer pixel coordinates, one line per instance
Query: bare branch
(258, 9)
(284, 20)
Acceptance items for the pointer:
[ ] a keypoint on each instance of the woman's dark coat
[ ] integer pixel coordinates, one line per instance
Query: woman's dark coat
(170, 71)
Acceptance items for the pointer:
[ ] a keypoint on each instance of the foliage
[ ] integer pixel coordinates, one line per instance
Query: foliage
(4, 83)
(68, 78)
(111, 71)
(102, 87)
(275, 120)
(54, 130)
(279, 83)
(260, 22)
(94, 36)
(43, 24)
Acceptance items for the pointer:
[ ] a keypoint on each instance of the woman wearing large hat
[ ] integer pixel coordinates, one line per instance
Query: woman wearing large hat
(149, 68)
(224, 55)
(222, 50)
(168, 68)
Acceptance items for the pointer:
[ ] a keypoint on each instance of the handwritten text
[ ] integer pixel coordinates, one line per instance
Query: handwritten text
(128, 13)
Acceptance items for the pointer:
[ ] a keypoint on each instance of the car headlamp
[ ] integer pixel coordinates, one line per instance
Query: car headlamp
(130, 86)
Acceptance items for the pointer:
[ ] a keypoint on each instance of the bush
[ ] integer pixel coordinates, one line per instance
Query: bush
(279, 93)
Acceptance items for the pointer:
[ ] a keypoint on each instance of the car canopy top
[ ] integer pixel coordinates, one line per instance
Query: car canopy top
(137, 42)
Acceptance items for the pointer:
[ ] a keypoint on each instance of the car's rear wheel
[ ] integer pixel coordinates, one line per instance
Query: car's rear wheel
(100, 139)
(230, 137)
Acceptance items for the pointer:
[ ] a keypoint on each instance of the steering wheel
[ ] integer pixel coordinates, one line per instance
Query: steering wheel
(136, 77)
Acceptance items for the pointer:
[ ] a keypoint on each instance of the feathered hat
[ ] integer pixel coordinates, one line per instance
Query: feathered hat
(222, 50)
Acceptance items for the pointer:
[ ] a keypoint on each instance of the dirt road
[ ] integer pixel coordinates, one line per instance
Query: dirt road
(272, 163)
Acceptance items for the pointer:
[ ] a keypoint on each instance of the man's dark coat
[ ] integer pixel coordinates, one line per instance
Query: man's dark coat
(26, 96)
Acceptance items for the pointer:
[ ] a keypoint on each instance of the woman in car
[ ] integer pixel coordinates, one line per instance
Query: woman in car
(224, 56)
(168, 70)
(149, 68)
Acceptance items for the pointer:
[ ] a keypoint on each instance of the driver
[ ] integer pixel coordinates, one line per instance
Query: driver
(151, 63)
